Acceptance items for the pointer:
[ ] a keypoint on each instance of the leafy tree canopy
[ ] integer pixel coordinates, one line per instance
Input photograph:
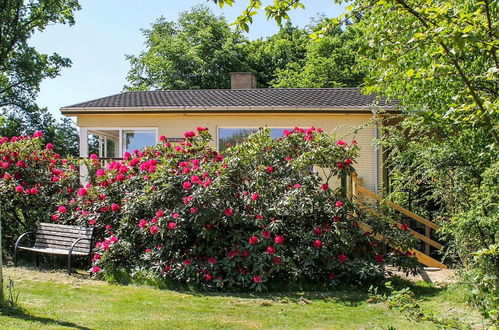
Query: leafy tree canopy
(200, 50)
(22, 69)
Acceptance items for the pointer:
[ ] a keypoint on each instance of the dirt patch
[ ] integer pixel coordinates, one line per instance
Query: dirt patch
(57, 276)
(437, 276)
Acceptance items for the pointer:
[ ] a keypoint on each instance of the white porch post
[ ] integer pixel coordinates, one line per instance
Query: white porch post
(84, 154)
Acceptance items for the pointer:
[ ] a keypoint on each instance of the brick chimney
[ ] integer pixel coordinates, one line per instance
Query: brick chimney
(242, 80)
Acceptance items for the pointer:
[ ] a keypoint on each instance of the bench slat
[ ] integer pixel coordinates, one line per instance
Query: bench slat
(65, 232)
(52, 251)
(63, 244)
(60, 235)
(63, 227)
(41, 245)
(61, 238)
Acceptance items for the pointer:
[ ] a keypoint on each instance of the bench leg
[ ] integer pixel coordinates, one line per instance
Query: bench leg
(69, 264)
(37, 261)
(15, 256)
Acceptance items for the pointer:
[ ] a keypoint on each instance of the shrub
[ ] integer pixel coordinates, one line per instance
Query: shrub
(475, 238)
(255, 216)
(33, 180)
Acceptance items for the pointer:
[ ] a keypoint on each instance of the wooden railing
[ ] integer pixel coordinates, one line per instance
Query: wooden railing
(356, 192)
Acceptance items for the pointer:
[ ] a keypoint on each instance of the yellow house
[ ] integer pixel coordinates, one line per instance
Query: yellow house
(133, 120)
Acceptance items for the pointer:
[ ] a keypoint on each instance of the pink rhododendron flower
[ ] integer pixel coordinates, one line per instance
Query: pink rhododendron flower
(201, 129)
(175, 215)
(96, 269)
(257, 279)
(187, 262)
(255, 196)
(38, 134)
(404, 227)
(172, 225)
(189, 134)
(19, 189)
(340, 165)
(269, 169)
(270, 249)
(33, 191)
(379, 258)
(160, 213)
(82, 192)
(49, 146)
(253, 240)
(317, 231)
(142, 223)
(266, 234)
(279, 239)
(325, 187)
(94, 157)
(338, 204)
(277, 260)
(113, 239)
(331, 276)
(154, 229)
(212, 260)
(259, 216)
(186, 185)
(194, 210)
(55, 217)
(228, 212)
(341, 143)
(342, 258)
(91, 222)
(115, 207)
(317, 244)
(62, 209)
(297, 186)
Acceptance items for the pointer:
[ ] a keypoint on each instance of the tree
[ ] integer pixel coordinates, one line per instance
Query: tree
(267, 56)
(330, 61)
(22, 67)
(196, 52)
(61, 133)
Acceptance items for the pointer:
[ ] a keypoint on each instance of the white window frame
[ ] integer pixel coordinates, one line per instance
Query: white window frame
(84, 136)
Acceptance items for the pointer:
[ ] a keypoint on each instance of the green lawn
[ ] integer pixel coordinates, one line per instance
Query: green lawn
(55, 300)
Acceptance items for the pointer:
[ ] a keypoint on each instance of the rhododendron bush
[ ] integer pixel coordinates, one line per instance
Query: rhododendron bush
(257, 215)
(33, 179)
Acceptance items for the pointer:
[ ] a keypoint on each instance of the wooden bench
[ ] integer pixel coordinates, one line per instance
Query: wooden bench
(58, 240)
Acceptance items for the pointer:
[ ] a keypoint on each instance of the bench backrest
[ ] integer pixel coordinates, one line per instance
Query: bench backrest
(54, 236)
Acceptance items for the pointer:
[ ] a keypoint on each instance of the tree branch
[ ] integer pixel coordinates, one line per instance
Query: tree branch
(457, 66)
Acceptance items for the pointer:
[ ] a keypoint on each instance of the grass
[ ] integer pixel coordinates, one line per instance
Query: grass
(54, 300)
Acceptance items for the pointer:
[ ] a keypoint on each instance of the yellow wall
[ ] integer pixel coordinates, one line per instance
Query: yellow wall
(174, 125)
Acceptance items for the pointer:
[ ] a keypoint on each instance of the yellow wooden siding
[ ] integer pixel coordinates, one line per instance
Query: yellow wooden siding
(174, 125)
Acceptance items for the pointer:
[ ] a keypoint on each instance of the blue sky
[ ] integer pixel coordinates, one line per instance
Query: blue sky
(106, 30)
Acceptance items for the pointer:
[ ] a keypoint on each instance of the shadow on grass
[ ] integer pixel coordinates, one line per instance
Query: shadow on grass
(21, 314)
(303, 293)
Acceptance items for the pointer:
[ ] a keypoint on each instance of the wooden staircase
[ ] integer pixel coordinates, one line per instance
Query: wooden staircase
(356, 192)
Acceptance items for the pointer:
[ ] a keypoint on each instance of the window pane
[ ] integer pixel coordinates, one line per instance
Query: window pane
(232, 136)
(276, 133)
(138, 140)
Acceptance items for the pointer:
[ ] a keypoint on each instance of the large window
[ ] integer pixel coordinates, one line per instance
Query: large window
(113, 143)
(233, 136)
(138, 139)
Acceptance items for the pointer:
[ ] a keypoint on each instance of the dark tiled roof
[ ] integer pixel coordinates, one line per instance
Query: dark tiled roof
(301, 98)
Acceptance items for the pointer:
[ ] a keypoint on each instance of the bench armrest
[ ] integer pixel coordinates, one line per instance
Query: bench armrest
(22, 236)
(76, 242)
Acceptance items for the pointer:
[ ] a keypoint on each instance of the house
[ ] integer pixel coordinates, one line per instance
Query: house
(132, 120)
